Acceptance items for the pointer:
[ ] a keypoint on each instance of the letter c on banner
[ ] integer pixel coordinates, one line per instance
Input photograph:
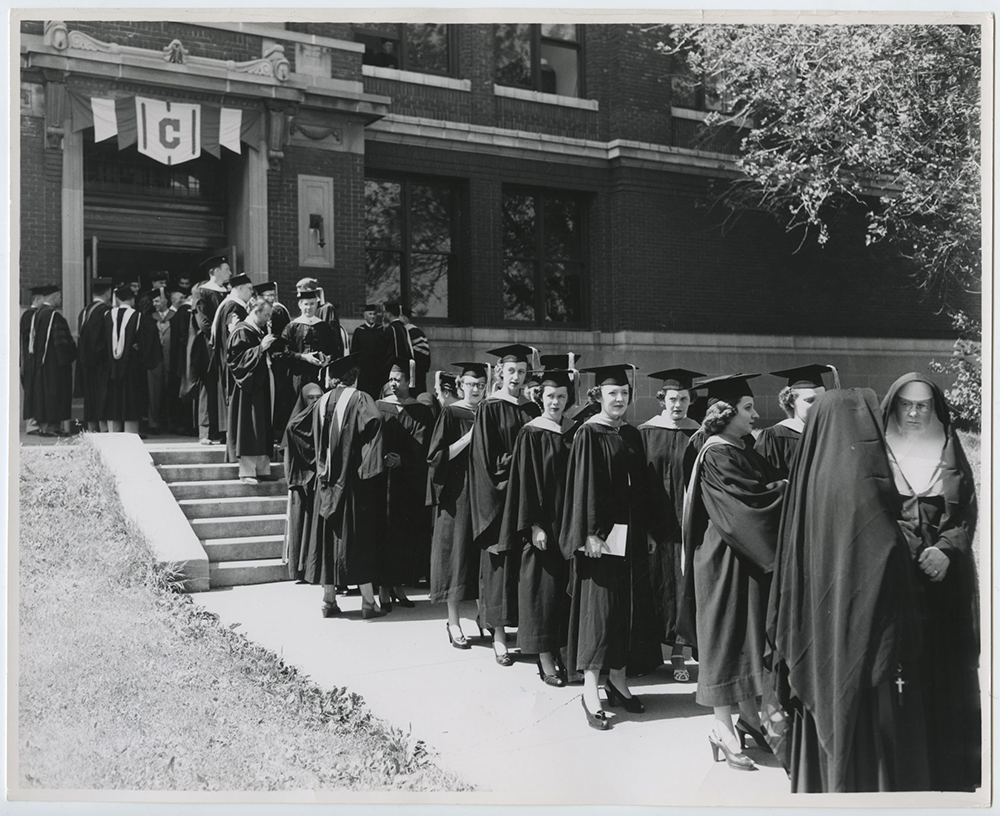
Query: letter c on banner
(175, 125)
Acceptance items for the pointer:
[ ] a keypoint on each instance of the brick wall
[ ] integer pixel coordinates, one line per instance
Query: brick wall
(198, 40)
(40, 258)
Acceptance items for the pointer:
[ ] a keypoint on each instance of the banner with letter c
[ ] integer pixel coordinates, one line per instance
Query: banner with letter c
(169, 132)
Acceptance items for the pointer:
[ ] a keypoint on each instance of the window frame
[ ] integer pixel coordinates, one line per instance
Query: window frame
(536, 59)
(451, 36)
(407, 180)
(583, 201)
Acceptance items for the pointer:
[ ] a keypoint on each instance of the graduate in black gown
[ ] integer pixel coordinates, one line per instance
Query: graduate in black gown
(454, 555)
(132, 349)
(730, 531)
(300, 472)
(309, 342)
(369, 342)
(532, 523)
(844, 707)
(27, 318)
(604, 536)
(778, 443)
(92, 361)
(279, 313)
(665, 440)
(203, 375)
(936, 484)
(49, 365)
(404, 524)
(498, 421)
(233, 309)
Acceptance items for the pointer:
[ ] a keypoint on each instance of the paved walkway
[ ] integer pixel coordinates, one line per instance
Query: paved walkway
(499, 729)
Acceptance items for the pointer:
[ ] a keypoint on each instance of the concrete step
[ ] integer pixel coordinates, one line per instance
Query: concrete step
(197, 455)
(198, 472)
(238, 506)
(244, 548)
(238, 526)
(226, 488)
(242, 573)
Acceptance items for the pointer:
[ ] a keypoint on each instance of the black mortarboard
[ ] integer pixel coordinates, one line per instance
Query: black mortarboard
(341, 366)
(239, 280)
(102, 283)
(392, 308)
(370, 307)
(267, 286)
(611, 374)
(807, 376)
(532, 377)
(304, 294)
(514, 353)
(407, 312)
(477, 370)
(211, 262)
(558, 377)
(124, 292)
(44, 290)
(400, 363)
(727, 387)
(678, 379)
(159, 274)
(445, 380)
(567, 360)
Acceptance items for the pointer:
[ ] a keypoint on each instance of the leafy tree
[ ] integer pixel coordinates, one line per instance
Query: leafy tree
(836, 116)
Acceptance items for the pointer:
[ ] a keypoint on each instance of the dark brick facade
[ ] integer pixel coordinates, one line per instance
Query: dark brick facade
(41, 207)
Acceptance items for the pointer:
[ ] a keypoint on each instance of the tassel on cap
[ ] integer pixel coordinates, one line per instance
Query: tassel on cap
(413, 374)
(437, 381)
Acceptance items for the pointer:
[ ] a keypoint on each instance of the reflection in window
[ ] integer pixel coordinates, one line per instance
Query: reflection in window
(410, 246)
(543, 257)
(699, 91)
(542, 58)
(424, 47)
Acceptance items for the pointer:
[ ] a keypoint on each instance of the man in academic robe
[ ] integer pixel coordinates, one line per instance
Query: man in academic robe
(202, 364)
(310, 344)
(132, 348)
(284, 393)
(327, 312)
(184, 417)
(250, 438)
(27, 316)
(404, 524)
(498, 422)
(341, 546)
(92, 363)
(51, 352)
(368, 341)
(159, 390)
(233, 309)
(421, 351)
(397, 343)
(280, 316)
(157, 282)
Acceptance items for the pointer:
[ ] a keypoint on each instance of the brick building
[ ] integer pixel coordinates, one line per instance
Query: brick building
(541, 183)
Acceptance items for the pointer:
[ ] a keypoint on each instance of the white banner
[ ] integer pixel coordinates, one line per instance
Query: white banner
(105, 119)
(169, 132)
(230, 122)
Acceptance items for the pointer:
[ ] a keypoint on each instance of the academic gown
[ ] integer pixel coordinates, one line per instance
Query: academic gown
(203, 378)
(844, 700)
(370, 343)
(300, 472)
(404, 530)
(92, 362)
(535, 497)
(777, 445)
(454, 556)
(127, 396)
(494, 433)
(730, 532)
(301, 337)
(665, 451)
(251, 403)
(341, 546)
(611, 616)
(280, 318)
(328, 314)
(48, 386)
(230, 312)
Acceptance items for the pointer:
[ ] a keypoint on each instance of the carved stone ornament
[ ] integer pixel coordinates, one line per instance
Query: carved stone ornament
(84, 42)
(56, 35)
(317, 132)
(175, 53)
(277, 134)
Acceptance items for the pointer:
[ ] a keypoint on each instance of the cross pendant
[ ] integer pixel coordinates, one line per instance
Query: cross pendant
(900, 682)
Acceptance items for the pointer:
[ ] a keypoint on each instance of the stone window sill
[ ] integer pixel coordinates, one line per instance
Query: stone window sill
(417, 78)
(545, 98)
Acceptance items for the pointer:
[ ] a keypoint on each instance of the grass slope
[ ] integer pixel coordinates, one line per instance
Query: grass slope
(125, 684)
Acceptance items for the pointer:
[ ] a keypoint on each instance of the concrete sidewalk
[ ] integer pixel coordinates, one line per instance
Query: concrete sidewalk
(500, 729)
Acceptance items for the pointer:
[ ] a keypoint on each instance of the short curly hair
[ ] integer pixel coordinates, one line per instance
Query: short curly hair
(594, 395)
(717, 417)
(348, 378)
(786, 399)
(663, 392)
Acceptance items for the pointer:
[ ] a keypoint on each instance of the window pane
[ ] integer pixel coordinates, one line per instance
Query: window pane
(716, 98)
(519, 291)
(429, 284)
(559, 69)
(562, 229)
(383, 214)
(519, 221)
(430, 218)
(426, 48)
(381, 42)
(562, 293)
(559, 31)
(514, 55)
(383, 276)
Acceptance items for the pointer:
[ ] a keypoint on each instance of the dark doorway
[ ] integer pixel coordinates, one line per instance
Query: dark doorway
(118, 262)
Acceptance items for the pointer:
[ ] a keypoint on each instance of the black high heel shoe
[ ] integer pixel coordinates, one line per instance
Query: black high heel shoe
(330, 610)
(549, 679)
(460, 642)
(633, 705)
(744, 730)
(598, 720)
(385, 606)
(739, 762)
(406, 603)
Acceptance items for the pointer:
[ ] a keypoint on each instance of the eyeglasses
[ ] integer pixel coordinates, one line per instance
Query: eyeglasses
(473, 385)
(920, 407)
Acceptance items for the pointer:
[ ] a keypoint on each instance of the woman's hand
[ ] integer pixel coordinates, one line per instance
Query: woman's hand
(934, 563)
(593, 547)
(392, 460)
(538, 537)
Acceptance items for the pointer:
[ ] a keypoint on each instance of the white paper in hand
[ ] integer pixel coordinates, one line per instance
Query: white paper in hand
(614, 544)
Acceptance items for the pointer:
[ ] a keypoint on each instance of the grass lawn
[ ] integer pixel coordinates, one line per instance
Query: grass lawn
(125, 684)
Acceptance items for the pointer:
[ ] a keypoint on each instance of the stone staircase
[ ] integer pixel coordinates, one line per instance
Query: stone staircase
(241, 527)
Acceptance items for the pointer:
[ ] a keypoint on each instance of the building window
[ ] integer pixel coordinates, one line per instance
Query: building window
(543, 258)
(546, 57)
(425, 48)
(410, 244)
(700, 91)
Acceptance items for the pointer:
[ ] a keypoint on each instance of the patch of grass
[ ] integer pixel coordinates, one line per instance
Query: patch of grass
(126, 684)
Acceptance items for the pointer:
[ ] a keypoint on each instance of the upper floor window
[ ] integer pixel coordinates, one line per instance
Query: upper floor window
(545, 57)
(700, 91)
(425, 48)
(410, 243)
(543, 257)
